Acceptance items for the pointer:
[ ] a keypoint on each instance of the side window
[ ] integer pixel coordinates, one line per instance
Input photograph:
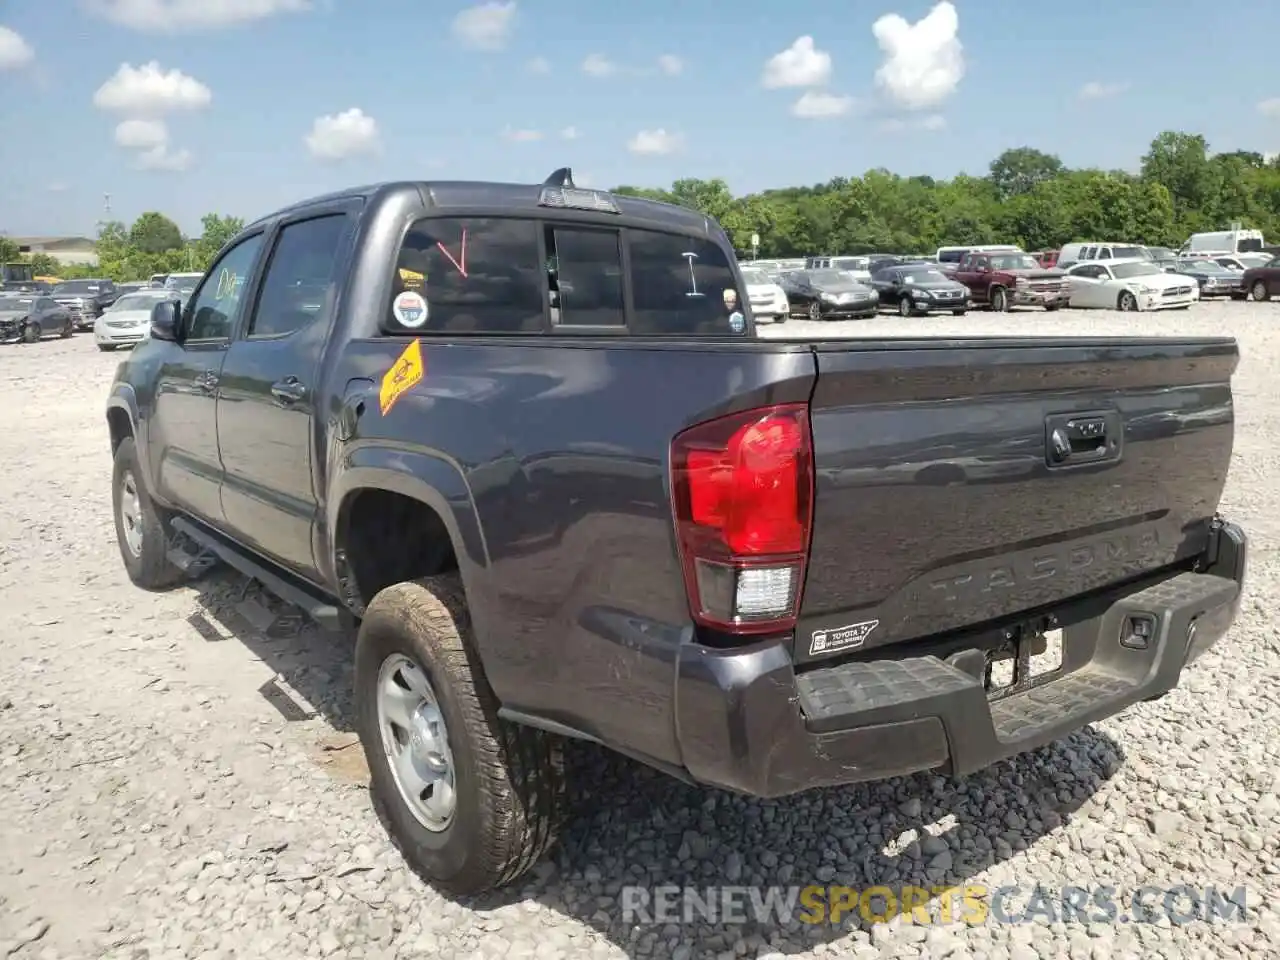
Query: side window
(682, 285)
(299, 277)
(214, 307)
(1088, 253)
(584, 273)
(1104, 253)
(477, 276)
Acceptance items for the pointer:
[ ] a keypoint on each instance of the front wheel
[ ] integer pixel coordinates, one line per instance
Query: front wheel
(471, 800)
(999, 300)
(958, 313)
(1127, 302)
(815, 310)
(905, 307)
(140, 526)
(1050, 307)
(1260, 291)
(66, 332)
(31, 333)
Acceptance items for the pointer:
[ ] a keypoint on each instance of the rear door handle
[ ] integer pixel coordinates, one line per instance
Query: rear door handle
(288, 390)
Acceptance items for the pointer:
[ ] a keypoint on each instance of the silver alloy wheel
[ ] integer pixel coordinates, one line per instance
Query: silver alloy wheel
(1128, 302)
(131, 513)
(416, 742)
(1259, 291)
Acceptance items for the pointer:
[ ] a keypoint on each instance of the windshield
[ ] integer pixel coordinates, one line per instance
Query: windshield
(181, 284)
(1015, 261)
(78, 287)
(926, 276)
(135, 301)
(830, 278)
(1125, 270)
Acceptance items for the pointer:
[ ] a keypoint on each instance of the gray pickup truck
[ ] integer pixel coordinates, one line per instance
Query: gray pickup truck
(524, 440)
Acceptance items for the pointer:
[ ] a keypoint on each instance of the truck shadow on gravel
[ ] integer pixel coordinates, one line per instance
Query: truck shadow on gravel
(639, 829)
(646, 861)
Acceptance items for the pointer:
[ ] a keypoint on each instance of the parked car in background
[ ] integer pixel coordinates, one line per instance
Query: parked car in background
(128, 320)
(158, 279)
(859, 268)
(1073, 253)
(182, 284)
(1007, 280)
(1135, 284)
(1233, 241)
(831, 295)
(920, 289)
(132, 286)
(1046, 258)
(948, 258)
(1161, 253)
(28, 317)
(85, 299)
(1214, 279)
(1263, 282)
(767, 297)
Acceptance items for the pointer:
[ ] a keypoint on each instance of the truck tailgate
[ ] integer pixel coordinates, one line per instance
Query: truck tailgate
(965, 481)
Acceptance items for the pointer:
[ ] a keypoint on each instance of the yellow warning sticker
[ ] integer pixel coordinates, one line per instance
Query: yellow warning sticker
(404, 374)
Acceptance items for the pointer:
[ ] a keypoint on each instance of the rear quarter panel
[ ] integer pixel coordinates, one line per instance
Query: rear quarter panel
(562, 448)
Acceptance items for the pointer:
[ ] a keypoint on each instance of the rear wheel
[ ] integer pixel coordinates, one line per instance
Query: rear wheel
(959, 313)
(999, 300)
(1050, 307)
(472, 800)
(1260, 291)
(905, 307)
(66, 332)
(815, 310)
(1127, 302)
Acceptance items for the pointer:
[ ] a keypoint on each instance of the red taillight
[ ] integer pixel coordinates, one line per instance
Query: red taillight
(742, 487)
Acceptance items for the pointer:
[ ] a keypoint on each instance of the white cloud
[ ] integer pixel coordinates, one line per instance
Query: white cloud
(654, 142)
(338, 136)
(1097, 90)
(1270, 108)
(15, 52)
(598, 65)
(142, 134)
(149, 91)
(671, 65)
(164, 159)
(819, 105)
(178, 16)
(486, 26)
(539, 65)
(924, 62)
(800, 65)
(522, 136)
(569, 133)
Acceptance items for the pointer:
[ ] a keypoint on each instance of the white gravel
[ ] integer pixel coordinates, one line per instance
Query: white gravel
(154, 803)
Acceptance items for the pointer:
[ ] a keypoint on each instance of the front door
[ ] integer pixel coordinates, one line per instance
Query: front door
(182, 439)
(270, 390)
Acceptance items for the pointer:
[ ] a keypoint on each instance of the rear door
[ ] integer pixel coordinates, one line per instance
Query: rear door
(267, 395)
(939, 503)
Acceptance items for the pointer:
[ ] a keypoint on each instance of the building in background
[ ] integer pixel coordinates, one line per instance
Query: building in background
(66, 250)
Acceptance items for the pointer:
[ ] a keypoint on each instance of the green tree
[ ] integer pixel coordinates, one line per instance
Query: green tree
(1016, 172)
(155, 233)
(9, 251)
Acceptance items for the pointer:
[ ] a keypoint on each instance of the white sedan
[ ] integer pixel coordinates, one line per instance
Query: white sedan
(128, 320)
(1129, 285)
(768, 299)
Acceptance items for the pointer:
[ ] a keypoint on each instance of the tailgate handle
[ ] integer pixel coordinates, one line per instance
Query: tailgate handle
(1080, 438)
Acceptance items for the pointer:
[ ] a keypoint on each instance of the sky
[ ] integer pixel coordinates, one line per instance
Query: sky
(242, 106)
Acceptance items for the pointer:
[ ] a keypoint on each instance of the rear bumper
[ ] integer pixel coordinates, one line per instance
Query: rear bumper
(748, 722)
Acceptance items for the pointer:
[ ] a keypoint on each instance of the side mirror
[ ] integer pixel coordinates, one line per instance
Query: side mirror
(166, 319)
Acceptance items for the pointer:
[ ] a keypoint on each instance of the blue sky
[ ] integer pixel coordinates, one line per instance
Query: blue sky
(220, 104)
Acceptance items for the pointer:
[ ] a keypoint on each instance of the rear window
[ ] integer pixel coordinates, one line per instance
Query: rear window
(951, 256)
(1124, 253)
(1248, 245)
(682, 285)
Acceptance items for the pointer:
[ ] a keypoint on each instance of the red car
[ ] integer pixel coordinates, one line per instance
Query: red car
(1263, 282)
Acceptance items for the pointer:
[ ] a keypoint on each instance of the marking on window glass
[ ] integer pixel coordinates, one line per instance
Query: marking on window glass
(461, 261)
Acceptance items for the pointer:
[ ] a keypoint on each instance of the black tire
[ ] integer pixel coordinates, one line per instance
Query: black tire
(905, 307)
(815, 310)
(31, 333)
(149, 566)
(958, 313)
(66, 332)
(781, 318)
(509, 785)
(1050, 307)
(999, 300)
(1259, 291)
(106, 347)
(1127, 302)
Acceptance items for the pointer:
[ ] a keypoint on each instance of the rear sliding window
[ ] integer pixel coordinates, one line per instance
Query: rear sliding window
(489, 276)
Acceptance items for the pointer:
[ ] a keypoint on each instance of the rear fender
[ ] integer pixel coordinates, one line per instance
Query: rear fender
(429, 479)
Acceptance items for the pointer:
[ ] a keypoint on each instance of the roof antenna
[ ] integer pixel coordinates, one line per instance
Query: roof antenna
(561, 178)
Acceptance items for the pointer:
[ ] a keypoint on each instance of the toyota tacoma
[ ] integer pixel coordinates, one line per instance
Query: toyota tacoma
(524, 442)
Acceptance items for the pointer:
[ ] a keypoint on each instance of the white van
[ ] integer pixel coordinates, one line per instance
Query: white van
(954, 255)
(1225, 241)
(1099, 250)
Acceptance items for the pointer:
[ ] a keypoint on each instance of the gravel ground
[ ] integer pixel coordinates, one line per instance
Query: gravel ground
(178, 782)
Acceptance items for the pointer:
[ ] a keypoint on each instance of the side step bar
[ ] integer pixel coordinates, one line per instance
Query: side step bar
(319, 609)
